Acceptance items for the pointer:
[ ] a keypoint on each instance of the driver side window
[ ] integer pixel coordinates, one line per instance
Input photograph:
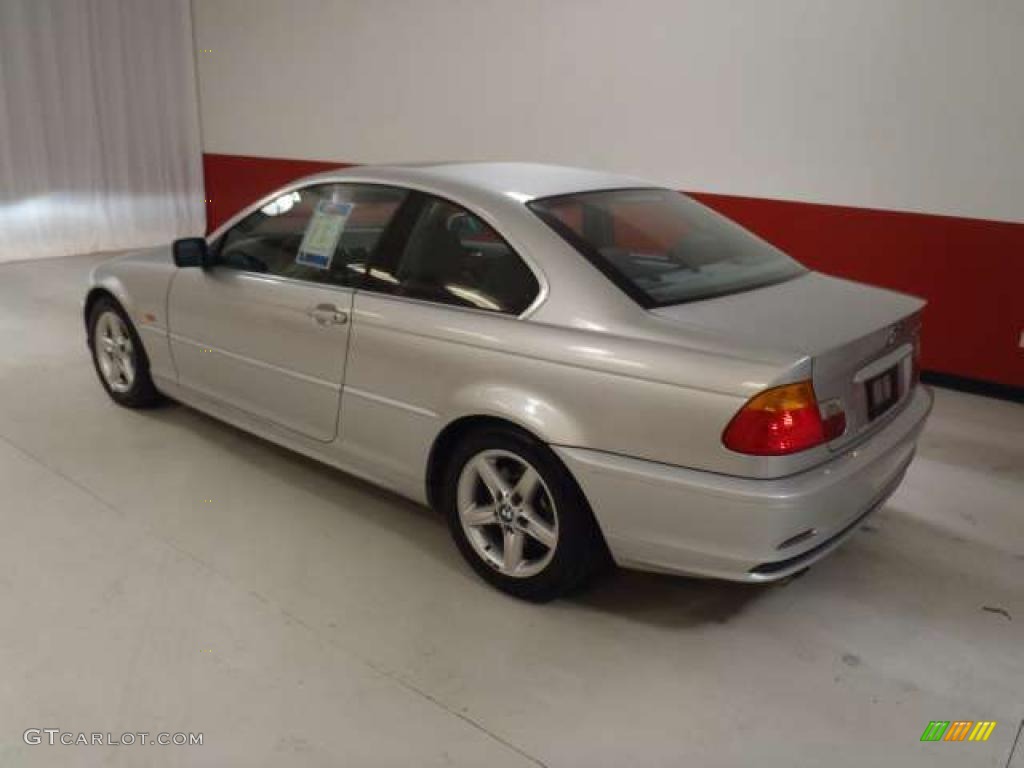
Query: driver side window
(321, 234)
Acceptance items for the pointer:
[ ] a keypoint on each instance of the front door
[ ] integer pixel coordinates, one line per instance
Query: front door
(266, 329)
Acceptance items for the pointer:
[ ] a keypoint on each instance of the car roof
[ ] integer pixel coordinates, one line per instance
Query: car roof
(521, 182)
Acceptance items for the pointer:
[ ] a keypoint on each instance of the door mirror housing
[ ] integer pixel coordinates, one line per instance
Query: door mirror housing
(191, 252)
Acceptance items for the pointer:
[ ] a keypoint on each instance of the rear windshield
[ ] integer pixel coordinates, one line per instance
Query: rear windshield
(661, 247)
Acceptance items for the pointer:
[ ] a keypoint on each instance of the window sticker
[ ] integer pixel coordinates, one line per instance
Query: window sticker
(322, 234)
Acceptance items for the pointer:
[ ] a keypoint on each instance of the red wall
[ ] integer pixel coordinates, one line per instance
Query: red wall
(971, 271)
(235, 181)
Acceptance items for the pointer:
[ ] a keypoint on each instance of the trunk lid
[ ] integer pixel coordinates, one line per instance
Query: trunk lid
(860, 339)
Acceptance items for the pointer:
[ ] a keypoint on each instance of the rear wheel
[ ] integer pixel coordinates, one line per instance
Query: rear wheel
(119, 357)
(518, 516)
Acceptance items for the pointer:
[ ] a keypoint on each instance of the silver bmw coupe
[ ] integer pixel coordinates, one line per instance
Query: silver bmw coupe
(576, 368)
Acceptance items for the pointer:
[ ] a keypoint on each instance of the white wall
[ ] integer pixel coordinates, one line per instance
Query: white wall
(901, 104)
(99, 126)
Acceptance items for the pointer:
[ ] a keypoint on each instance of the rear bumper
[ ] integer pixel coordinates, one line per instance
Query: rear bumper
(665, 518)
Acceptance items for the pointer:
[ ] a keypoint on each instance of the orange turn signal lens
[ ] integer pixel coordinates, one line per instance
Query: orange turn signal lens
(780, 421)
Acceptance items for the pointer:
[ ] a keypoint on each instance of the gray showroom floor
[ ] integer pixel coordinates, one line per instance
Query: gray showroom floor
(160, 571)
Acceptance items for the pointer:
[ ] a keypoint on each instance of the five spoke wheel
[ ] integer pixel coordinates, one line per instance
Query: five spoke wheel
(507, 513)
(115, 352)
(118, 354)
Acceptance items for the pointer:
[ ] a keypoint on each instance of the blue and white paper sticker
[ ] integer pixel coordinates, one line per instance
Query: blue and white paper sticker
(323, 233)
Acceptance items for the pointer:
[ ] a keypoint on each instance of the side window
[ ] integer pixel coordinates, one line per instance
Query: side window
(322, 234)
(452, 257)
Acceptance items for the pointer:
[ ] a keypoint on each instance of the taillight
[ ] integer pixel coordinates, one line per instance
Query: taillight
(784, 420)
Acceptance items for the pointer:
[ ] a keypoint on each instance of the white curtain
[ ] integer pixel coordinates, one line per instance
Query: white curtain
(99, 126)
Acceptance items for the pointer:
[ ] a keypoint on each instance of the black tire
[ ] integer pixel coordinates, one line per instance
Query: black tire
(141, 393)
(580, 551)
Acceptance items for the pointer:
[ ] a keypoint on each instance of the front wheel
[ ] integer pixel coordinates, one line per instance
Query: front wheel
(518, 516)
(119, 358)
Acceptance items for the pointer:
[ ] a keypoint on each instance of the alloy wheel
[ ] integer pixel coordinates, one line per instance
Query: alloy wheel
(115, 352)
(507, 513)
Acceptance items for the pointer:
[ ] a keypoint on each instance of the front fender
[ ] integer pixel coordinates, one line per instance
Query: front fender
(139, 282)
(100, 283)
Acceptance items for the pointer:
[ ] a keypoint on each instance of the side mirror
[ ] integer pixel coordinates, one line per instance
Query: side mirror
(191, 252)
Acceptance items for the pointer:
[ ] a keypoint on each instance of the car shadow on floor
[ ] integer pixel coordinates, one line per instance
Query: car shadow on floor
(668, 600)
(376, 505)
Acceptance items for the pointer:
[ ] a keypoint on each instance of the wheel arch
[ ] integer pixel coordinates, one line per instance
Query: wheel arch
(449, 437)
(457, 429)
(538, 415)
(110, 287)
(95, 293)
(545, 434)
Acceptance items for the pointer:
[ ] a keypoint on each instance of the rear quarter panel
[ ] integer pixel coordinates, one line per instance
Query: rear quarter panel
(415, 367)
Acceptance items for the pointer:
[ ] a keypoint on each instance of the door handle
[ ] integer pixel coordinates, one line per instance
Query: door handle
(328, 314)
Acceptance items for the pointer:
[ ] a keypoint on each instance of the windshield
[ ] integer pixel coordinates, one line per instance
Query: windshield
(661, 247)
